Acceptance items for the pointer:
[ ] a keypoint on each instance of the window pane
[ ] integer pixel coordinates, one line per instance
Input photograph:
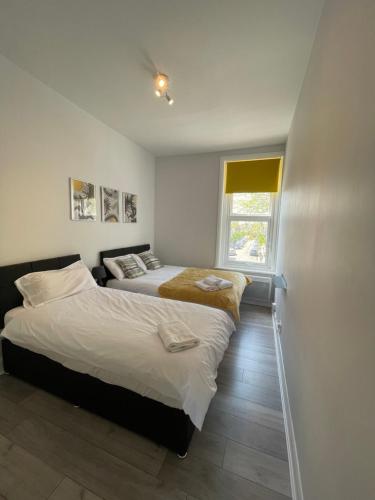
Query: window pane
(248, 242)
(251, 204)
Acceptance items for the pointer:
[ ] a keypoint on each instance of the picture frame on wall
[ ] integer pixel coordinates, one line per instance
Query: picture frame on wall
(82, 200)
(110, 204)
(129, 207)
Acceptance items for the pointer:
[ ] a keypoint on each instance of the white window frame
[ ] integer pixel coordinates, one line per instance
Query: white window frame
(225, 217)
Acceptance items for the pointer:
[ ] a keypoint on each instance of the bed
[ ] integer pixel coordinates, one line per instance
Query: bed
(178, 283)
(99, 349)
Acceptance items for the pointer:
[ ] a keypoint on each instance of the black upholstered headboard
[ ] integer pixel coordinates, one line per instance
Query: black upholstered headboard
(10, 297)
(116, 252)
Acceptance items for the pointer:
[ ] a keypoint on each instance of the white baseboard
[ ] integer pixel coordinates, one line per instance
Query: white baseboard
(295, 475)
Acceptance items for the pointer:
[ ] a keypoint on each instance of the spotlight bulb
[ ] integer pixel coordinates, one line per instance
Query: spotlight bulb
(161, 81)
(161, 87)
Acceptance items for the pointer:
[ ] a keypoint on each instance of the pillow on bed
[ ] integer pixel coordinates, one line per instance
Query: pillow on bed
(152, 263)
(113, 267)
(75, 265)
(139, 261)
(43, 287)
(130, 268)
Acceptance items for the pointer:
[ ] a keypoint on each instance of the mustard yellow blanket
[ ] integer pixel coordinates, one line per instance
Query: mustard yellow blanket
(182, 287)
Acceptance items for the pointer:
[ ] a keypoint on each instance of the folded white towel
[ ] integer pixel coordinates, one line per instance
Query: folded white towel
(225, 284)
(213, 284)
(177, 336)
(206, 288)
(212, 280)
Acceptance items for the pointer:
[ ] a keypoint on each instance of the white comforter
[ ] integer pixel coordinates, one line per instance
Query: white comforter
(112, 335)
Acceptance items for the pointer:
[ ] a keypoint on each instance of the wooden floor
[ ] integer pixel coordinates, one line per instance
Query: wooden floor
(51, 450)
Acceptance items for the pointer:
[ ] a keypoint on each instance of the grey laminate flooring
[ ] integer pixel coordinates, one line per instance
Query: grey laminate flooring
(51, 450)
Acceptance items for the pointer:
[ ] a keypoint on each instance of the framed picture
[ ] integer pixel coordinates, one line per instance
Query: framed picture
(82, 200)
(129, 207)
(110, 204)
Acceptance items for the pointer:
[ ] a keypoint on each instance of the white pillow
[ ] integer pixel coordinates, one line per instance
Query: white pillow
(139, 261)
(112, 266)
(75, 265)
(46, 286)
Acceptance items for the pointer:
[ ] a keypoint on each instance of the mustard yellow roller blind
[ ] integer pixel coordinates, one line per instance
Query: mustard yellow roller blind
(253, 176)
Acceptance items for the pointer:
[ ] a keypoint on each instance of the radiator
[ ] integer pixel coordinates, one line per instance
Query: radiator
(260, 292)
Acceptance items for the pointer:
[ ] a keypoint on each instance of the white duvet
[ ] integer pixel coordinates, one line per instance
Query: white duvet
(112, 335)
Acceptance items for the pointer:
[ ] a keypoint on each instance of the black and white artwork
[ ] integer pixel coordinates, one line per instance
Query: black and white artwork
(82, 200)
(129, 207)
(110, 204)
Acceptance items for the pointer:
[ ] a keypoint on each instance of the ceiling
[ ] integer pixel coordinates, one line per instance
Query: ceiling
(236, 66)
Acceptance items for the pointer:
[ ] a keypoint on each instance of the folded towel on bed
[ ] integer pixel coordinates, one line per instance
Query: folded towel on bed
(177, 336)
(213, 283)
(212, 280)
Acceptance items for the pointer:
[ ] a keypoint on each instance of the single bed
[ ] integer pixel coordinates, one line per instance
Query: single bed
(178, 283)
(100, 350)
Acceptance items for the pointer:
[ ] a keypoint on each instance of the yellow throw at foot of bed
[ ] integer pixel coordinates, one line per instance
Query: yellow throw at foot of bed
(183, 287)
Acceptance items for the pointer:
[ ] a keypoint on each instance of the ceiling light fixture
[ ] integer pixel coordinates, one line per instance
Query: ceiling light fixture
(161, 83)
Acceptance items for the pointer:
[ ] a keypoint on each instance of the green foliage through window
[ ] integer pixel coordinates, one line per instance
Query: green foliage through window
(248, 238)
(251, 204)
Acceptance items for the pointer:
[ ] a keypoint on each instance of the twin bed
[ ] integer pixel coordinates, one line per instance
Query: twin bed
(178, 283)
(100, 349)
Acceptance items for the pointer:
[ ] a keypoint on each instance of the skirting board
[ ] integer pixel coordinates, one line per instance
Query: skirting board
(295, 475)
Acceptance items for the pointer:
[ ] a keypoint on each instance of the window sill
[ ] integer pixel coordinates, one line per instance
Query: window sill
(247, 270)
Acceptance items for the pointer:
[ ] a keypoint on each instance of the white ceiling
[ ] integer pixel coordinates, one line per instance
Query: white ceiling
(236, 66)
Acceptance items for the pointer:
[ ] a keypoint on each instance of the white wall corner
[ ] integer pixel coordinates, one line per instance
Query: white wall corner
(294, 470)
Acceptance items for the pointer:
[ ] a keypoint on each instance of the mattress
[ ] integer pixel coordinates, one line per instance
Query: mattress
(112, 335)
(148, 283)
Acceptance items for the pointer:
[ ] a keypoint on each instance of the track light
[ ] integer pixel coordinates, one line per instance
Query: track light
(161, 84)
(169, 99)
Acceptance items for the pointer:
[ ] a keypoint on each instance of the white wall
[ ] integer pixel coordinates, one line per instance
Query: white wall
(187, 190)
(327, 252)
(44, 140)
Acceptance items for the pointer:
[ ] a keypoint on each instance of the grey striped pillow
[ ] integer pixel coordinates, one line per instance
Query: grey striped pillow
(130, 268)
(150, 260)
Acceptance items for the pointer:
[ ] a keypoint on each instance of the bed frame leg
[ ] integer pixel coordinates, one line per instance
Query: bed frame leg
(181, 457)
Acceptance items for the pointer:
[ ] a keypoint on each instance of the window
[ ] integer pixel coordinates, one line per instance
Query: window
(247, 231)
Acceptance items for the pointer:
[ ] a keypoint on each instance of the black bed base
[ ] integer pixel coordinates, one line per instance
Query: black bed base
(166, 426)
